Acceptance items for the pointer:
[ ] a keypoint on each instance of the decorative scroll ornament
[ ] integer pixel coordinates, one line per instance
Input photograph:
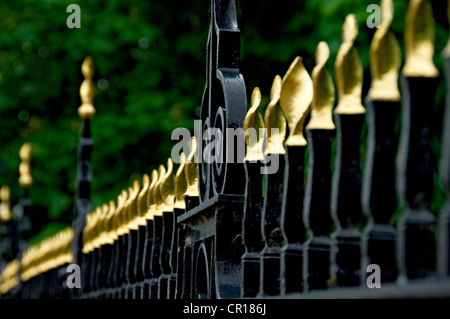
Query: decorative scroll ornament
(180, 183)
(5, 206)
(87, 91)
(191, 170)
(324, 92)
(385, 58)
(349, 71)
(254, 129)
(167, 188)
(150, 198)
(25, 179)
(275, 121)
(295, 100)
(419, 40)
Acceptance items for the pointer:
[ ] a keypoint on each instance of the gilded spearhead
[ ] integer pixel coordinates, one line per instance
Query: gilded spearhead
(87, 90)
(158, 200)
(385, 58)
(419, 40)
(324, 92)
(5, 206)
(180, 183)
(348, 70)
(191, 170)
(25, 178)
(167, 188)
(254, 129)
(295, 100)
(275, 121)
(150, 198)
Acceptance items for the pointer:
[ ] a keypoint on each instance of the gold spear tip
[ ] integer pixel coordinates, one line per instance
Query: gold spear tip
(324, 92)
(25, 178)
(253, 122)
(87, 91)
(180, 183)
(419, 40)
(274, 120)
(191, 170)
(5, 209)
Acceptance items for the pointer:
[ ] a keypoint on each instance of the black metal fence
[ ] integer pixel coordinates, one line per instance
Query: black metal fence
(292, 215)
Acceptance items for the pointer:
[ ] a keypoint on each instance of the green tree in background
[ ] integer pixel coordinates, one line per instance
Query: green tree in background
(149, 74)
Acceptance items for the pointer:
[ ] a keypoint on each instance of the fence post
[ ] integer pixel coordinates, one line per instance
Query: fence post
(444, 214)
(419, 80)
(320, 132)
(349, 116)
(251, 221)
(84, 175)
(295, 101)
(271, 224)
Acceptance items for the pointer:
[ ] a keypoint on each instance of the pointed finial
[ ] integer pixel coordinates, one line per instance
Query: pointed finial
(275, 121)
(25, 179)
(142, 197)
(87, 90)
(385, 58)
(295, 100)
(254, 129)
(349, 70)
(180, 183)
(324, 92)
(150, 199)
(167, 188)
(419, 40)
(191, 170)
(158, 200)
(5, 206)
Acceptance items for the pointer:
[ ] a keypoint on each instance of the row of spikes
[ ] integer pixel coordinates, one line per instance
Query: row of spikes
(163, 192)
(25, 181)
(9, 277)
(48, 254)
(296, 95)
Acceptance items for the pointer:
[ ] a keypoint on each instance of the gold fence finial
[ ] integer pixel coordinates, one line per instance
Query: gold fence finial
(25, 178)
(419, 40)
(295, 100)
(167, 188)
(87, 90)
(142, 197)
(385, 58)
(274, 119)
(324, 92)
(5, 206)
(157, 197)
(253, 122)
(150, 195)
(180, 183)
(349, 70)
(191, 170)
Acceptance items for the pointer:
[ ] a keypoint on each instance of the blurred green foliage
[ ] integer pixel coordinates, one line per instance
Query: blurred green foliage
(150, 74)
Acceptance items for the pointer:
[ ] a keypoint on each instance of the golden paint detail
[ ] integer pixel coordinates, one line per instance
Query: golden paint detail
(191, 170)
(158, 200)
(167, 188)
(5, 203)
(150, 199)
(180, 183)
(295, 100)
(324, 92)
(254, 129)
(142, 201)
(87, 90)
(385, 58)
(348, 71)
(419, 40)
(48, 254)
(274, 119)
(9, 277)
(25, 178)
